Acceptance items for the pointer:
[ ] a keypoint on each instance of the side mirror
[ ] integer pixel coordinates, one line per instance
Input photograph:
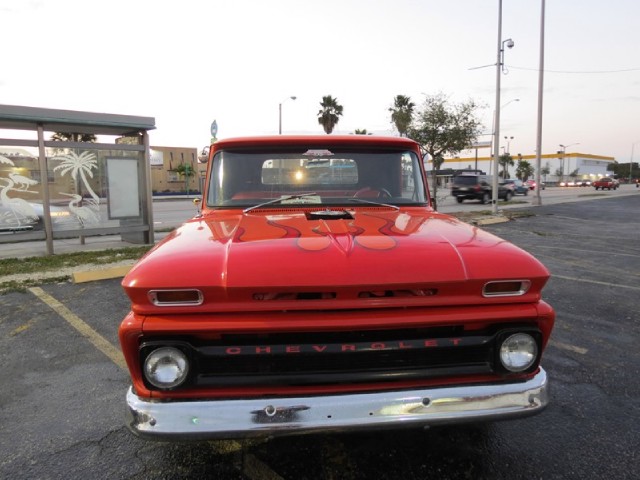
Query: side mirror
(197, 202)
(203, 156)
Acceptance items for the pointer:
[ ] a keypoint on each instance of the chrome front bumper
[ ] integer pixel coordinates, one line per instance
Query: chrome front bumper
(210, 419)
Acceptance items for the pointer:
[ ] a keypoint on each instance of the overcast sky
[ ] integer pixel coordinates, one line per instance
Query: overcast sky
(188, 62)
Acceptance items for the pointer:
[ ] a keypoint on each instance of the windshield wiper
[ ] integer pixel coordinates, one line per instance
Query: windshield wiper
(362, 200)
(280, 199)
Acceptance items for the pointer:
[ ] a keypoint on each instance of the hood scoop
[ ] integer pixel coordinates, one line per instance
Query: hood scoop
(329, 215)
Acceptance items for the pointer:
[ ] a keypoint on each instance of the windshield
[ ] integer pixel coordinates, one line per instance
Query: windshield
(336, 177)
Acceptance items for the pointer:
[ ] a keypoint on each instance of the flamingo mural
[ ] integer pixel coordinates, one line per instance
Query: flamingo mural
(17, 211)
(22, 211)
(86, 211)
(24, 182)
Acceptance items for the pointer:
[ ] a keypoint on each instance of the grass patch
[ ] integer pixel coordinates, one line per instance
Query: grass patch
(21, 286)
(591, 195)
(510, 214)
(9, 266)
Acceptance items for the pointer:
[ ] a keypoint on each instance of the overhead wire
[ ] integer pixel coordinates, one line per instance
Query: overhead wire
(625, 70)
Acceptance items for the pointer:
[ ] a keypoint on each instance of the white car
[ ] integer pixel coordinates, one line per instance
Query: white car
(30, 216)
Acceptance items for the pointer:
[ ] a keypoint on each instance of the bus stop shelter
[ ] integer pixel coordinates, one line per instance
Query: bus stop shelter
(71, 174)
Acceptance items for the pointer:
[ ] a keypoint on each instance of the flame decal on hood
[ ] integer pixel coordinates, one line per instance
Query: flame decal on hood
(369, 231)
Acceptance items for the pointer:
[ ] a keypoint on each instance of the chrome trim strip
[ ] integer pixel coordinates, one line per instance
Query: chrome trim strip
(236, 418)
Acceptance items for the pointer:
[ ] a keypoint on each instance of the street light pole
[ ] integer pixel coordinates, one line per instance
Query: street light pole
(537, 200)
(508, 139)
(493, 129)
(280, 113)
(564, 152)
(496, 134)
(631, 159)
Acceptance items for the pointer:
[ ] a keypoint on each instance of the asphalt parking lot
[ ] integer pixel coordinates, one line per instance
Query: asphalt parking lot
(63, 383)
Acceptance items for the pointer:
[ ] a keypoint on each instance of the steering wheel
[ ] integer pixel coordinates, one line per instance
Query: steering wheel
(377, 193)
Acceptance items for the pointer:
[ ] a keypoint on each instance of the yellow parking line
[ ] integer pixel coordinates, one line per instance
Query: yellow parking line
(253, 468)
(83, 328)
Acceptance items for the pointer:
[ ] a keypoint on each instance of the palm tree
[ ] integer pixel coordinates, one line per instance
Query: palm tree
(544, 171)
(402, 113)
(524, 170)
(329, 114)
(73, 137)
(505, 161)
(83, 164)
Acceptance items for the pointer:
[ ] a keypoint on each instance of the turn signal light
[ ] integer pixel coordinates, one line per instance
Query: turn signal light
(507, 288)
(167, 298)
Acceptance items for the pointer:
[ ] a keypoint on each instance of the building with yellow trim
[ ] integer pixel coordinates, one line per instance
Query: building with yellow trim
(567, 166)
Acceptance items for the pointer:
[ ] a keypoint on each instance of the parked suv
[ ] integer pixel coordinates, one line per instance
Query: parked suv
(517, 186)
(477, 187)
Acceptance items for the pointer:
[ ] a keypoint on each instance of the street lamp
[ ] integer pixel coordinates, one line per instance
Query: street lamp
(280, 113)
(508, 139)
(499, 70)
(563, 152)
(493, 127)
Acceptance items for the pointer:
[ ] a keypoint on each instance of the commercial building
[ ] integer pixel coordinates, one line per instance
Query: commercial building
(560, 166)
(176, 170)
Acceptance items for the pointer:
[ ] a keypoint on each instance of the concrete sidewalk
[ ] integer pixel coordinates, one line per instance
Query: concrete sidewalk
(68, 245)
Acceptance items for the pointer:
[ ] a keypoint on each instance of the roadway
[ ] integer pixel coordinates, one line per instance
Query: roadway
(170, 213)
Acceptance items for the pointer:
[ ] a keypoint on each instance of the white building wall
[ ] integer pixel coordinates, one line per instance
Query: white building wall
(589, 166)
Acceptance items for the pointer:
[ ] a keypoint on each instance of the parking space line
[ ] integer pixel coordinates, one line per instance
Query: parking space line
(585, 280)
(571, 348)
(83, 328)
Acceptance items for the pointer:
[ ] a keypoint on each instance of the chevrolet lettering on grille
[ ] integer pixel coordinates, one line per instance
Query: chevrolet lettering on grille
(347, 347)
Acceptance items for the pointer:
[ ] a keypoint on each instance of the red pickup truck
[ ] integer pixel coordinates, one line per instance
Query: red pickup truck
(606, 182)
(318, 290)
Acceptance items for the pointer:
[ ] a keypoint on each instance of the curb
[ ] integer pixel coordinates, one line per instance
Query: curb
(101, 274)
(490, 220)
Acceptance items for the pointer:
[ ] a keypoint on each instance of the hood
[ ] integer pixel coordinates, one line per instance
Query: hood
(278, 248)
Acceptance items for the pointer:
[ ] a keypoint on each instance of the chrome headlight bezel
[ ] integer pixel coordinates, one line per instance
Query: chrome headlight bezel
(166, 367)
(519, 352)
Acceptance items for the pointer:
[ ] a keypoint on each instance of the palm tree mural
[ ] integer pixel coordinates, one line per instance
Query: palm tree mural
(329, 114)
(80, 166)
(402, 113)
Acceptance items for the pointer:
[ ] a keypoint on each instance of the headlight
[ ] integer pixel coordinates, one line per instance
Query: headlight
(166, 367)
(518, 352)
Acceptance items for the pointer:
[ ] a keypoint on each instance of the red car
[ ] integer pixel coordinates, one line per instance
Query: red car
(532, 184)
(606, 182)
(318, 290)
